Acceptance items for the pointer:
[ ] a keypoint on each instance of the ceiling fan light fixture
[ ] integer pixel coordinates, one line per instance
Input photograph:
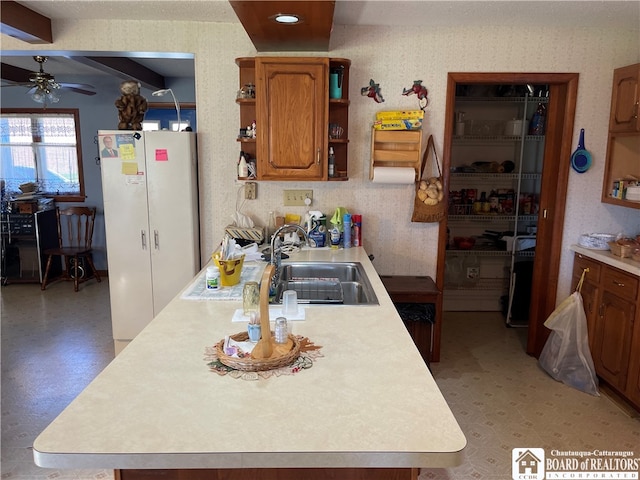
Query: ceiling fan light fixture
(286, 18)
(38, 96)
(52, 97)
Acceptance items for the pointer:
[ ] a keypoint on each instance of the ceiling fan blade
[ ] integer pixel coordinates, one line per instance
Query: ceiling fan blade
(27, 84)
(13, 73)
(83, 88)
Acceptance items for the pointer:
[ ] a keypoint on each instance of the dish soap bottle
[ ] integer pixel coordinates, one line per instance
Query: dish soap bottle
(334, 236)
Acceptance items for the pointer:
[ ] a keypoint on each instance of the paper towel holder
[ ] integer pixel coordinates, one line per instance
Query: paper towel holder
(396, 148)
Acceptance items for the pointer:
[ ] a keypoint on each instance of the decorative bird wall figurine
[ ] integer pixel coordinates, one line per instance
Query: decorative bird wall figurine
(372, 91)
(420, 91)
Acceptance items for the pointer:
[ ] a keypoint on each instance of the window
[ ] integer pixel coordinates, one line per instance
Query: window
(42, 147)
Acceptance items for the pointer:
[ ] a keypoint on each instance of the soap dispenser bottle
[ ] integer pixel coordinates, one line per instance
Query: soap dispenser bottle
(243, 167)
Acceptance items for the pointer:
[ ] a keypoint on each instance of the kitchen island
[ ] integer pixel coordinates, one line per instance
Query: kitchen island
(369, 402)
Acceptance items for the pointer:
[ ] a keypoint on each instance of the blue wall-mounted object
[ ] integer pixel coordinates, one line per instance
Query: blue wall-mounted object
(581, 158)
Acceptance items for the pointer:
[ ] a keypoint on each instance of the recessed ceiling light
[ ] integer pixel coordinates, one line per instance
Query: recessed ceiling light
(287, 18)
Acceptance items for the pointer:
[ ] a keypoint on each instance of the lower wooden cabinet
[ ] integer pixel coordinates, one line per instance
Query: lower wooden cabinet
(590, 290)
(612, 306)
(633, 380)
(612, 339)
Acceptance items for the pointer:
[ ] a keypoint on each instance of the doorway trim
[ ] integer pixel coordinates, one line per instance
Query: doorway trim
(563, 90)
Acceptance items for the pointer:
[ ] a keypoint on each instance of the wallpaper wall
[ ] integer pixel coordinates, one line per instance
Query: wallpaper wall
(393, 57)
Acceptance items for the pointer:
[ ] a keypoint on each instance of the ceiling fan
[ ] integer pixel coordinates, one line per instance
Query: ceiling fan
(44, 88)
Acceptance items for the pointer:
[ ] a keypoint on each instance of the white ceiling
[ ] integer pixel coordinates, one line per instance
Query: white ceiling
(425, 13)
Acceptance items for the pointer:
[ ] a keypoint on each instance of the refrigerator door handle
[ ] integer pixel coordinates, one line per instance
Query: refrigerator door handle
(156, 239)
(143, 238)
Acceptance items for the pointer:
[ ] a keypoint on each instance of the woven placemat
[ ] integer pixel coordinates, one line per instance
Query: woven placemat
(308, 355)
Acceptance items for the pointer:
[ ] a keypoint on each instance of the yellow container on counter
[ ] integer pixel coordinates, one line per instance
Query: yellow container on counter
(230, 270)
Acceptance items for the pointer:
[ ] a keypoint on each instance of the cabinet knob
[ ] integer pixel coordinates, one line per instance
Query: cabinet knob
(318, 157)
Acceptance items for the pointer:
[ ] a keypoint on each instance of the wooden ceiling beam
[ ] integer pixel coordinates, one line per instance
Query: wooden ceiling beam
(312, 34)
(22, 23)
(126, 69)
(14, 74)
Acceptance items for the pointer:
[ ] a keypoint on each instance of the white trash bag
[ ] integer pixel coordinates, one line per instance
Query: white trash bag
(566, 355)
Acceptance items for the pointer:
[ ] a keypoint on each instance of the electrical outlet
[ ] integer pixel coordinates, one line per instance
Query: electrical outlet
(250, 190)
(296, 198)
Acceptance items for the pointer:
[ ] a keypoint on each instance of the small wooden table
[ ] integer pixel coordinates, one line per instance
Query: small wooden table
(409, 289)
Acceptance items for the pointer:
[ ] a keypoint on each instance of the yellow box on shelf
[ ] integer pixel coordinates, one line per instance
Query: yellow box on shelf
(400, 115)
(404, 124)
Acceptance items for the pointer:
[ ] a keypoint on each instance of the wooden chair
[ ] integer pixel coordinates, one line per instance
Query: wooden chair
(75, 233)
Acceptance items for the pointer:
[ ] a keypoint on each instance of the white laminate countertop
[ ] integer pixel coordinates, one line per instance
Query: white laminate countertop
(369, 402)
(608, 258)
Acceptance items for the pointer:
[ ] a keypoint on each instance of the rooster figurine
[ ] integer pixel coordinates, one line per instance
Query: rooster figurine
(420, 91)
(372, 91)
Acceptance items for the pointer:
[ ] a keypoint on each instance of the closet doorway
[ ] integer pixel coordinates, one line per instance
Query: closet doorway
(553, 178)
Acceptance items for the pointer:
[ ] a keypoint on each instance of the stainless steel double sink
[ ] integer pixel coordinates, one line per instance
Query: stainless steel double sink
(330, 283)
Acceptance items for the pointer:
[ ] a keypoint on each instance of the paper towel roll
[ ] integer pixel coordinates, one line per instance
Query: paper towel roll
(403, 175)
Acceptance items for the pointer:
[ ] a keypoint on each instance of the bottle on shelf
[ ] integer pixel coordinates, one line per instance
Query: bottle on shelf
(346, 223)
(243, 167)
(536, 125)
(271, 226)
(357, 230)
(332, 163)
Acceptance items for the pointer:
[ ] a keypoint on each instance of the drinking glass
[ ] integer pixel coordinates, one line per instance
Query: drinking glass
(289, 303)
(251, 298)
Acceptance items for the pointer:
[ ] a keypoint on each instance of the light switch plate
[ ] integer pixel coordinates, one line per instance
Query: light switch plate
(250, 191)
(296, 198)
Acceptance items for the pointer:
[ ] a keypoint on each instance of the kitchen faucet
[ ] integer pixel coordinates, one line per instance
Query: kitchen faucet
(276, 248)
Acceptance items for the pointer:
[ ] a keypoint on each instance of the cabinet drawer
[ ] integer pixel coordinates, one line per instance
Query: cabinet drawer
(620, 283)
(580, 262)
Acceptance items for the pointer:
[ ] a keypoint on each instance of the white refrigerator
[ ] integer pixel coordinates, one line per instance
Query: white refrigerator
(150, 193)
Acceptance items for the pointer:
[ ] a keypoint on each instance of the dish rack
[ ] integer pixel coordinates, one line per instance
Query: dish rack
(596, 241)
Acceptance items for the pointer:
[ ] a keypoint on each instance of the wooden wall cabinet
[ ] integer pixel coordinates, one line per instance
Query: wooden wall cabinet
(293, 111)
(623, 146)
(612, 306)
(624, 99)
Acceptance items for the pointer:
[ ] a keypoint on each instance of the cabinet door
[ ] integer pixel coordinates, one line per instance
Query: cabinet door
(633, 382)
(589, 291)
(292, 103)
(613, 339)
(589, 294)
(173, 213)
(126, 218)
(624, 100)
